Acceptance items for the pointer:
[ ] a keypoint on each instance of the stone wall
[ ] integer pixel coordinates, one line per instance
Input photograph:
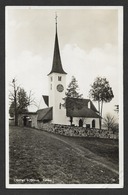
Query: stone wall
(33, 120)
(78, 131)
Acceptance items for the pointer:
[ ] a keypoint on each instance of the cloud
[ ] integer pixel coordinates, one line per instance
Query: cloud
(31, 72)
(30, 41)
(86, 66)
(98, 61)
(31, 69)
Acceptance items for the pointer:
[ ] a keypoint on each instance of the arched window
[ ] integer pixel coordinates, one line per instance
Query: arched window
(80, 123)
(93, 123)
(60, 106)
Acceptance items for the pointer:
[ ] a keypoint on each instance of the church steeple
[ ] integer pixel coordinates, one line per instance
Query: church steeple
(57, 65)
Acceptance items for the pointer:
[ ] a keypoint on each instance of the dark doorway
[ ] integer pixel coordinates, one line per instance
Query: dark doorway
(80, 123)
(93, 123)
(25, 120)
(88, 126)
(71, 120)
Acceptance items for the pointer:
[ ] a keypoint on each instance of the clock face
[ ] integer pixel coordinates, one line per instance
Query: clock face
(60, 88)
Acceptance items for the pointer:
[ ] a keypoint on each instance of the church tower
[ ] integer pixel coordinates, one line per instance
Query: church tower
(57, 85)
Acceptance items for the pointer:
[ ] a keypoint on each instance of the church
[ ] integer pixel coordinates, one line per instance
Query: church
(77, 112)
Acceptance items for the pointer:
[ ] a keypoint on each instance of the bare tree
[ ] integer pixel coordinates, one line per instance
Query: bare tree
(109, 122)
(13, 99)
(19, 100)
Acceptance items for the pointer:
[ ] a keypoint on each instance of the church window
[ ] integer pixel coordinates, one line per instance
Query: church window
(51, 78)
(60, 106)
(93, 123)
(51, 86)
(59, 78)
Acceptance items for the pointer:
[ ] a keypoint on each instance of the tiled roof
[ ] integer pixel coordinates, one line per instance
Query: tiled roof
(84, 112)
(28, 113)
(44, 114)
(79, 108)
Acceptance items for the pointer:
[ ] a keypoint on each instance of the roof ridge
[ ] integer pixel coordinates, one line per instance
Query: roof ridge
(44, 108)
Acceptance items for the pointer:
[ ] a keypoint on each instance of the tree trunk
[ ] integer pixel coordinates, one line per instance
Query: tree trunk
(16, 116)
(99, 114)
(100, 122)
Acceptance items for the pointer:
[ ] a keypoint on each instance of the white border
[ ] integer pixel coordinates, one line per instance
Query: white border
(65, 7)
(121, 127)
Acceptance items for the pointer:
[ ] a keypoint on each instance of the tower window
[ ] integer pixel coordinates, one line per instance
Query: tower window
(51, 86)
(60, 106)
(59, 78)
(51, 78)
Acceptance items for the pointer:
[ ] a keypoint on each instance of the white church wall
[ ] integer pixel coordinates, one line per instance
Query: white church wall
(56, 98)
(89, 121)
(85, 121)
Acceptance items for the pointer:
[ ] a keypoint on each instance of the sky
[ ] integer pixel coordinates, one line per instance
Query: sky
(90, 41)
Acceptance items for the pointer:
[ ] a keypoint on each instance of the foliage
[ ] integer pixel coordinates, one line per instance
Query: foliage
(22, 101)
(12, 109)
(73, 88)
(19, 101)
(72, 92)
(21, 104)
(101, 92)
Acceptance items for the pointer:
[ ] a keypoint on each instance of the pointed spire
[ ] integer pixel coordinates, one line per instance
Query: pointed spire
(56, 20)
(57, 65)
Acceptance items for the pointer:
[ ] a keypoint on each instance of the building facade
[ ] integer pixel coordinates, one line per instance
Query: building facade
(86, 115)
(81, 113)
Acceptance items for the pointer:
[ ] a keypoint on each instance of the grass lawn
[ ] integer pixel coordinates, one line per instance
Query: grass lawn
(40, 157)
(107, 148)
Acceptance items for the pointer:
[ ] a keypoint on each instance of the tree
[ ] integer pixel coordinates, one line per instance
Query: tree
(19, 101)
(23, 101)
(115, 127)
(72, 92)
(109, 122)
(12, 109)
(73, 88)
(101, 92)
